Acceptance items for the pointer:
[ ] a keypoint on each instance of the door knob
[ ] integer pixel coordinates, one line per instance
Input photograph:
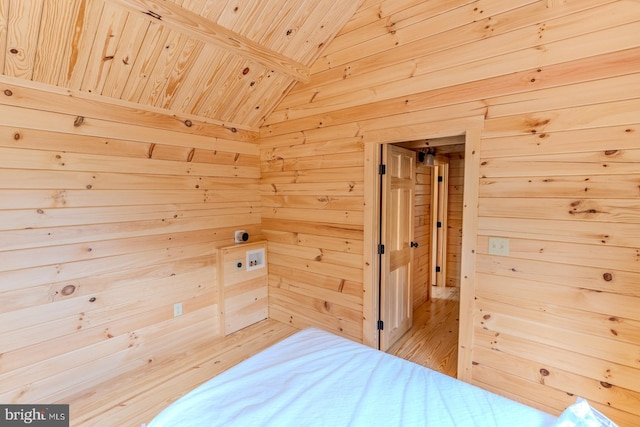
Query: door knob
(414, 244)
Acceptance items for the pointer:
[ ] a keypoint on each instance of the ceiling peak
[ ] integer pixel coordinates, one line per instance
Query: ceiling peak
(200, 28)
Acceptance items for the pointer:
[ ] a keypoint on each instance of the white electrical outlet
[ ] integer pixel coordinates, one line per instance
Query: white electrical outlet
(177, 309)
(498, 246)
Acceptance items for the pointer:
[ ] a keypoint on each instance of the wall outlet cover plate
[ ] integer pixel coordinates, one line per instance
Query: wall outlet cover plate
(498, 246)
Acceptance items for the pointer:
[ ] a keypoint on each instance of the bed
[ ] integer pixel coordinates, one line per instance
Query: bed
(315, 378)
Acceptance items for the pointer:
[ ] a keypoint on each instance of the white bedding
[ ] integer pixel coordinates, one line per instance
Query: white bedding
(315, 378)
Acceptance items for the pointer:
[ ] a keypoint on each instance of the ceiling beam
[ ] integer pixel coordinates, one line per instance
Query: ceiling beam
(193, 25)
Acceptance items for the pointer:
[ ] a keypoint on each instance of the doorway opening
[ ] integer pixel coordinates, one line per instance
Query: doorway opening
(432, 338)
(373, 209)
(438, 207)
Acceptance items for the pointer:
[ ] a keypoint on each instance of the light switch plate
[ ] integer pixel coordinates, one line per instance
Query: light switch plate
(498, 246)
(177, 309)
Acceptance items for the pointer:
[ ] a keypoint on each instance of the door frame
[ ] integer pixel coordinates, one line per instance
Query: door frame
(471, 128)
(439, 215)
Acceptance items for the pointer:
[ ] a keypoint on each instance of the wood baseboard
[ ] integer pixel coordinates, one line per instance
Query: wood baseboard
(135, 398)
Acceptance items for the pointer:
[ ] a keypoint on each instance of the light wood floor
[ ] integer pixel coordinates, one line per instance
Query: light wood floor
(135, 398)
(433, 339)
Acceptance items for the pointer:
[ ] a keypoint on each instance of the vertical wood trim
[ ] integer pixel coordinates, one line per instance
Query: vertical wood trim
(443, 208)
(435, 196)
(220, 290)
(370, 335)
(445, 224)
(4, 25)
(468, 261)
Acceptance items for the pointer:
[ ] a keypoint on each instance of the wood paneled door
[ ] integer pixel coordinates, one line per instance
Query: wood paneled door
(398, 193)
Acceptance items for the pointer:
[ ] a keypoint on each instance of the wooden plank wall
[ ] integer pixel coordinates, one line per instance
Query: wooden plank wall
(312, 216)
(422, 235)
(104, 225)
(559, 84)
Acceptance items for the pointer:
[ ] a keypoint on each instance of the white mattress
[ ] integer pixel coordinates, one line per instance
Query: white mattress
(315, 378)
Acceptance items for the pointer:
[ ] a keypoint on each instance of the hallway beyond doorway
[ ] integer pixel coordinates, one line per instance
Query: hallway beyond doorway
(433, 339)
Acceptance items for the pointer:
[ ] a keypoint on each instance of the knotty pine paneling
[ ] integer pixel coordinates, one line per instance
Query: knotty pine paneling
(312, 215)
(556, 84)
(171, 64)
(104, 226)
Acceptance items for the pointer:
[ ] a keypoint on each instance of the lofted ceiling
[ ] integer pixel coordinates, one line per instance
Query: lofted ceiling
(227, 62)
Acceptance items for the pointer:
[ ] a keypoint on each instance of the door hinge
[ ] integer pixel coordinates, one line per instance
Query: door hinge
(380, 325)
(381, 249)
(438, 269)
(440, 178)
(382, 169)
(439, 224)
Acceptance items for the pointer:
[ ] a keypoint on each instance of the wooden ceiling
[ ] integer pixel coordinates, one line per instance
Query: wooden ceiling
(226, 62)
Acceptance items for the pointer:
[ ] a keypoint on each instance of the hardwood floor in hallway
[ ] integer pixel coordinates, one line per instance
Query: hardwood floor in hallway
(433, 339)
